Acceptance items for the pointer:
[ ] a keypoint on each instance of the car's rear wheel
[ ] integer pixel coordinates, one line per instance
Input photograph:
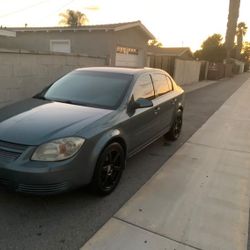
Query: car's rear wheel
(176, 127)
(109, 168)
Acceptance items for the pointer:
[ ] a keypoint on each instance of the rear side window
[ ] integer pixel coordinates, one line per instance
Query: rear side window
(144, 88)
(162, 84)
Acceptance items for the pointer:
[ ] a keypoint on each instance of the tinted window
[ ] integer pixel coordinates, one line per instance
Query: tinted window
(162, 84)
(144, 88)
(101, 89)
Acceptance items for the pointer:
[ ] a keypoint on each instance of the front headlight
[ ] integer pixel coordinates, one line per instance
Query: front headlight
(58, 150)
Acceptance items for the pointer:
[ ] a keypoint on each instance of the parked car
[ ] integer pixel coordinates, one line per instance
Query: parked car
(81, 129)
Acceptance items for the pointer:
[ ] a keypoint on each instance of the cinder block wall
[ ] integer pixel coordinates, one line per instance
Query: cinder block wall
(186, 71)
(24, 74)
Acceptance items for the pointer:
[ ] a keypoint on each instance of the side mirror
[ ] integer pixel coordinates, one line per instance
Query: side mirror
(142, 103)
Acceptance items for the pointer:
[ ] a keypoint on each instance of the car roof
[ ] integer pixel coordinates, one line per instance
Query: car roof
(129, 71)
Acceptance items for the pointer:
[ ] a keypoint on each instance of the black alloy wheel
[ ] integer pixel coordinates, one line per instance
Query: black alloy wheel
(109, 169)
(175, 130)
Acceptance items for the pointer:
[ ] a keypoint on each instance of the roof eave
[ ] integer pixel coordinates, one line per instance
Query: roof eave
(184, 51)
(48, 29)
(86, 28)
(132, 25)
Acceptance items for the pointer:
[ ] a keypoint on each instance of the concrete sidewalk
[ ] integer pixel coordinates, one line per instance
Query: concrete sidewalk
(199, 199)
(198, 85)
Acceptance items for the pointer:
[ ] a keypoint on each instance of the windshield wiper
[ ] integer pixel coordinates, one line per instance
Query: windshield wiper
(72, 102)
(40, 97)
(63, 101)
(66, 101)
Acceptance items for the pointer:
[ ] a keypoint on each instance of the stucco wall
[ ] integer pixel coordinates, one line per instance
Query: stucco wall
(94, 43)
(186, 72)
(24, 74)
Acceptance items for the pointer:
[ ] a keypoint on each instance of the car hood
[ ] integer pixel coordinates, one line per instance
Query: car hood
(34, 121)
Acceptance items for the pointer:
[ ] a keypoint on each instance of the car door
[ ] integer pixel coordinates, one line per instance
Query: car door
(164, 101)
(141, 123)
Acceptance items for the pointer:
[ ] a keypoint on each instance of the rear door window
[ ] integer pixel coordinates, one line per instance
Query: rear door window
(162, 84)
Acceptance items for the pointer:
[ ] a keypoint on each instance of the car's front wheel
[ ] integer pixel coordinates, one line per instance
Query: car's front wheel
(109, 168)
(175, 129)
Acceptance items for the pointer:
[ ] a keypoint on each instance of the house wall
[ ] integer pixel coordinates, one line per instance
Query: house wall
(186, 71)
(24, 74)
(94, 43)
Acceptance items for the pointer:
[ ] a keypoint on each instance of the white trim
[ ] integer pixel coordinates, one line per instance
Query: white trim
(65, 41)
(7, 33)
(132, 25)
(48, 29)
(119, 26)
(184, 51)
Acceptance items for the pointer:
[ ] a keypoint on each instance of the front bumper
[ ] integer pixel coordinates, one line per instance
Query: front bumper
(35, 183)
(23, 175)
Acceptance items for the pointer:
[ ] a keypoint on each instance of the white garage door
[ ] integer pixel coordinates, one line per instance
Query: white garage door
(127, 57)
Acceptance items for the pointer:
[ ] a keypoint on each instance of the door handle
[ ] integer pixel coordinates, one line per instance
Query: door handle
(157, 109)
(174, 101)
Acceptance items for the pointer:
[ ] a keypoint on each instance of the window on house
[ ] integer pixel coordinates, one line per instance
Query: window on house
(62, 46)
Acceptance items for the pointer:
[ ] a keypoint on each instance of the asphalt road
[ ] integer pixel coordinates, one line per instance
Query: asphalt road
(67, 221)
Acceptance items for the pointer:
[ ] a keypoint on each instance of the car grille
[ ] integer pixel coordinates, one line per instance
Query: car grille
(42, 189)
(11, 151)
(8, 155)
(4, 182)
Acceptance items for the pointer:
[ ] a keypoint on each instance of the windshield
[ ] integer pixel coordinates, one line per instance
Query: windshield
(90, 88)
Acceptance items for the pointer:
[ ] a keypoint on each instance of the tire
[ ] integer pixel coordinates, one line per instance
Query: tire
(109, 169)
(175, 130)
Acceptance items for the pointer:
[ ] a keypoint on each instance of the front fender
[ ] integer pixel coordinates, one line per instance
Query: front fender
(100, 144)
